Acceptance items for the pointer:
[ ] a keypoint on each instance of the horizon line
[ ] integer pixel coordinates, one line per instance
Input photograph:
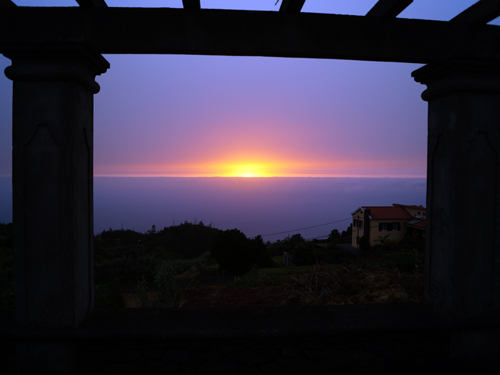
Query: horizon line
(243, 177)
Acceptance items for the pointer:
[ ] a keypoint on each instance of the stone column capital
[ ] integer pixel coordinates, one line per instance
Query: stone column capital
(75, 62)
(458, 75)
(462, 274)
(52, 148)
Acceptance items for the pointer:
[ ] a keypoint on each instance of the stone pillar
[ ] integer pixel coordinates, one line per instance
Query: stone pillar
(53, 182)
(463, 190)
(462, 277)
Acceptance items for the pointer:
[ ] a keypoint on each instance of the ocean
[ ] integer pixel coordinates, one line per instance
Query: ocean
(272, 207)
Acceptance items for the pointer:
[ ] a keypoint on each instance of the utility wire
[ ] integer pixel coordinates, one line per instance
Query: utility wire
(314, 226)
(317, 237)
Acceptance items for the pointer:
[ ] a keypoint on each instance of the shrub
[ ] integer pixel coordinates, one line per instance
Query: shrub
(410, 243)
(302, 255)
(305, 254)
(142, 290)
(407, 243)
(404, 261)
(206, 270)
(390, 244)
(108, 295)
(334, 235)
(237, 254)
(180, 266)
(168, 292)
(287, 244)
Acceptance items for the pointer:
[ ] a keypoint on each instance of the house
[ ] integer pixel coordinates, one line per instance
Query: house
(398, 221)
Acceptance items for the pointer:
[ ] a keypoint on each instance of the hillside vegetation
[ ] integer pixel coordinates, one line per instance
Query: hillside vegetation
(195, 265)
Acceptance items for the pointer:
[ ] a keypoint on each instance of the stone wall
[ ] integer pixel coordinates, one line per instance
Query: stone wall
(394, 338)
(356, 353)
(7, 345)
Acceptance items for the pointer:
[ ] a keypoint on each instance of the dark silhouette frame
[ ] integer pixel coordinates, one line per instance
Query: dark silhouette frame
(56, 54)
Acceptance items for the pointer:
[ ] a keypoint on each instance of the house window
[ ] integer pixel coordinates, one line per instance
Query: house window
(382, 227)
(355, 223)
(361, 223)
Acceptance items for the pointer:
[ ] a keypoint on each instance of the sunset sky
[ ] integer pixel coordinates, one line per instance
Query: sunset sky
(251, 116)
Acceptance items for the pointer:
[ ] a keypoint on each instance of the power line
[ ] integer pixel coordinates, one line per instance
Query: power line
(314, 226)
(317, 237)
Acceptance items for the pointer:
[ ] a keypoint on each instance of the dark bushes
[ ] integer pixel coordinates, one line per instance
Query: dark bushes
(404, 261)
(305, 253)
(109, 295)
(237, 254)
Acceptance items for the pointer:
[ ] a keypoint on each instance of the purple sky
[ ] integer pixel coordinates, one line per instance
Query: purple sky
(237, 116)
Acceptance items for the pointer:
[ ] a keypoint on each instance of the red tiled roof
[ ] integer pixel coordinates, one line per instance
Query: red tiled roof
(420, 224)
(407, 205)
(384, 212)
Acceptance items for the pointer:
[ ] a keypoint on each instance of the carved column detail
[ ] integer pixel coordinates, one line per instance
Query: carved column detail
(463, 194)
(52, 178)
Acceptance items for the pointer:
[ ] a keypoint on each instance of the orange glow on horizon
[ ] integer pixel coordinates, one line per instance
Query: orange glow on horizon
(267, 166)
(245, 172)
(248, 170)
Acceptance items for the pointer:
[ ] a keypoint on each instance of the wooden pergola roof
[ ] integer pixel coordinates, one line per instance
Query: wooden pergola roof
(378, 36)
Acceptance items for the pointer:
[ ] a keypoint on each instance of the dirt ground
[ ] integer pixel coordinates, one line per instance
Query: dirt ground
(318, 288)
(220, 296)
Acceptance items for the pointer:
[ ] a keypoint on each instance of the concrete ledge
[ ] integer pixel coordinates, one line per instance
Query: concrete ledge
(187, 323)
(351, 339)
(257, 322)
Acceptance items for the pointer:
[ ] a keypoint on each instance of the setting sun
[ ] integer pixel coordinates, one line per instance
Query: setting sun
(248, 170)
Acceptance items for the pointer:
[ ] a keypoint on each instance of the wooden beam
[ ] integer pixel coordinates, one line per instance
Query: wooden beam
(244, 33)
(481, 12)
(292, 6)
(191, 4)
(388, 8)
(7, 3)
(92, 3)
